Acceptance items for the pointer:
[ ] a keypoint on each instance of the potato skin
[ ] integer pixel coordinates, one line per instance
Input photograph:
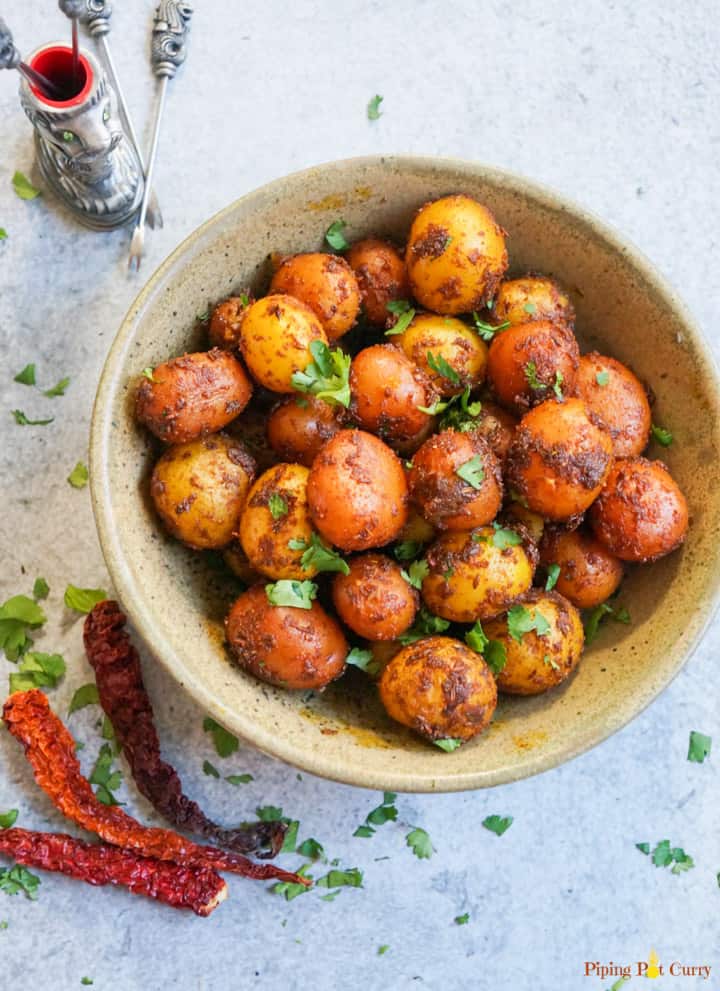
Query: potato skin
(470, 578)
(275, 339)
(381, 274)
(226, 320)
(455, 255)
(450, 339)
(387, 391)
(497, 426)
(374, 600)
(417, 528)
(298, 427)
(439, 688)
(533, 297)
(559, 459)
(199, 489)
(357, 492)
(442, 496)
(526, 671)
(325, 283)
(553, 350)
(641, 514)
(622, 404)
(293, 648)
(589, 573)
(265, 539)
(192, 396)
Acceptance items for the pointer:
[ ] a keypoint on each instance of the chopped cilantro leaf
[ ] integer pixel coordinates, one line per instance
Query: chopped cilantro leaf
(486, 330)
(210, 769)
(59, 389)
(425, 625)
(495, 656)
(373, 107)
(85, 695)
(327, 376)
(278, 506)
(407, 550)
(462, 920)
(311, 848)
(363, 659)
(291, 889)
(225, 743)
(23, 187)
(521, 621)
(553, 573)
(439, 406)
(26, 376)
(531, 375)
(416, 573)
(505, 537)
(472, 472)
(350, 878)
(87, 981)
(404, 313)
(290, 836)
(17, 878)
(662, 436)
(460, 413)
(598, 614)
(24, 421)
(448, 744)
(78, 477)
(7, 819)
(83, 599)
(419, 842)
(498, 824)
(475, 638)
(664, 855)
(699, 747)
(602, 378)
(296, 594)
(383, 949)
(530, 308)
(149, 373)
(18, 615)
(106, 779)
(37, 670)
(643, 848)
(557, 385)
(3, 237)
(318, 555)
(41, 589)
(385, 812)
(442, 367)
(269, 813)
(239, 779)
(398, 306)
(335, 237)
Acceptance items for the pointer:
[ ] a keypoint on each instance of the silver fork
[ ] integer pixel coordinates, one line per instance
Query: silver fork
(169, 39)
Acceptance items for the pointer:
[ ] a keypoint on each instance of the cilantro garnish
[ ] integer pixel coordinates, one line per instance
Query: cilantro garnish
(531, 375)
(83, 696)
(420, 844)
(598, 614)
(663, 855)
(83, 599)
(239, 779)
(415, 574)
(442, 367)
(149, 373)
(59, 389)
(486, 330)
(3, 234)
(23, 187)
(448, 744)
(26, 376)
(407, 550)
(16, 879)
(210, 769)
(498, 824)
(553, 573)
(269, 813)
(699, 747)
(78, 477)
(502, 537)
(287, 592)
(557, 385)
(426, 624)
(335, 237)
(350, 878)
(521, 621)
(225, 743)
(7, 819)
(318, 555)
(327, 376)
(106, 779)
(37, 670)
(18, 615)
(87, 981)
(404, 313)
(311, 848)
(41, 589)
(472, 472)
(462, 920)
(460, 413)
(385, 812)
(278, 506)
(291, 889)
(602, 378)
(643, 847)
(439, 406)
(373, 107)
(363, 659)
(495, 656)
(530, 308)
(662, 436)
(383, 949)
(475, 638)
(24, 421)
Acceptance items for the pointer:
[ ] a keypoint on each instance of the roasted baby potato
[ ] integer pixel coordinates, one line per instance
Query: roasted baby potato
(192, 396)
(417, 530)
(237, 561)
(357, 492)
(390, 394)
(374, 599)
(455, 481)
(251, 430)
(497, 426)
(530, 362)
(226, 320)
(641, 514)
(434, 342)
(326, 284)
(381, 274)
(455, 255)
(618, 397)
(276, 516)
(439, 688)
(589, 573)
(515, 514)
(475, 574)
(299, 426)
(559, 459)
(199, 489)
(285, 645)
(533, 297)
(275, 339)
(547, 652)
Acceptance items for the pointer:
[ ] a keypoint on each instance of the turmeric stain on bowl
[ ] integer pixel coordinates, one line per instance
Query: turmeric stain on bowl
(336, 201)
(531, 740)
(329, 727)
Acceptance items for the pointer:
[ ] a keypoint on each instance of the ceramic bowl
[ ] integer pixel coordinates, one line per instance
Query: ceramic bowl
(176, 599)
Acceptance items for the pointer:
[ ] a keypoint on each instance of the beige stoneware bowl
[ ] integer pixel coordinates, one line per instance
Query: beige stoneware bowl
(176, 599)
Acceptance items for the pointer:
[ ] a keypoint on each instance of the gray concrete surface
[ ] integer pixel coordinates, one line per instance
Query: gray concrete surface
(613, 103)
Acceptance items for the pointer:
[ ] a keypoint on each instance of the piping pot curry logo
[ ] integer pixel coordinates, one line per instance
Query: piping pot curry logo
(650, 968)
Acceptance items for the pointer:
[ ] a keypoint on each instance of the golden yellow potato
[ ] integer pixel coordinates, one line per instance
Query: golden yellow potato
(199, 489)
(439, 688)
(475, 574)
(533, 297)
(543, 639)
(533, 523)
(453, 342)
(237, 561)
(380, 270)
(374, 599)
(455, 255)
(417, 530)
(226, 320)
(589, 573)
(251, 430)
(299, 426)
(326, 284)
(283, 645)
(275, 339)
(497, 426)
(276, 514)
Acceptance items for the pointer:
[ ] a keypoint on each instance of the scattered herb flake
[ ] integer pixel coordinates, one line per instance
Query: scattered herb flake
(521, 621)
(3, 237)
(83, 600)
(461, 413)
(598, 614)
(225, 743)
(531, 375)
(210, 769)
(405, 315)
(553, 573)
(362, 658)
(419, 842)
(602, 378)
(373, 107)
(699, 747)
(78, 477)
(407, 550)
(24, 421)
(37, 670)
(269, 813)
(104, 777)
(383, 949)
(495, 656)
(462, 920)
(18, 615)
(278, 506)
(557, 385)
(311, 848)
(661, 435)
(442, 367)
(23, 187)
(291, 889)
(58, 389)
(16, 879)
(7, 819)
(290, 836)
(448, 744)
(664, 855)
(335, 237)
(530, 308)
(486, 330)
(385, 812)
(350, 878)
(416, 573)
(295, 594)
(85, 695)
(41, 589)
(475, 638)
(498, 824)
(426, 624)
(318, 555)
(87, 981)
(643, 848)
(149, 373)
(327, 376)
(239, 779)
(472, 472)
(26, 376)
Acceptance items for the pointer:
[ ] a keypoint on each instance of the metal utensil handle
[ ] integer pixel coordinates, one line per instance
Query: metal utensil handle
(96, 17)
(169, 37)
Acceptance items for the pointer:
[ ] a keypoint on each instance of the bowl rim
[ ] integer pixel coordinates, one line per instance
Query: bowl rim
(314, 761)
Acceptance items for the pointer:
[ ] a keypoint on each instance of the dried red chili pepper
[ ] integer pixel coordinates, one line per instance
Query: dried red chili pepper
(51, 752)
(126, 703)
(198, 888)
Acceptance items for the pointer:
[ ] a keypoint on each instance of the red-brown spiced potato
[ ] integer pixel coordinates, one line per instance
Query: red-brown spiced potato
(497, 426)
(440, 688)
(251, 430)
(533, 297)
(589, 573)
(374, 599)
(455, 481)
(275, 338)
(455, 255)
(357, 492)
(326, 284)
(226, 320)
(445, 339)
(199, 489)
(192, 396)
(559, 459)
(527, 361)
(299, 426)
(381, 274)
(388, 391)
(617, 396)
(641, 514)
(284, 645)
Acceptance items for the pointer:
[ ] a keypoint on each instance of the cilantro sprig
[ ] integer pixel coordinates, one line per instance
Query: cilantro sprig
(404, 312)
(327, 376)
(498, 824)
(661, 435)
(420, 843)
(521, 621)
(386, 811)
(472, 472)
(288, 592)
(596, 616)
(225, 742)
(317, 555)
(106, 778)
(699, 747)
(335, 237)
(426, 624)
(665, 855)
(487, 330)
(442, 367)
(373, 107)
(363, 659)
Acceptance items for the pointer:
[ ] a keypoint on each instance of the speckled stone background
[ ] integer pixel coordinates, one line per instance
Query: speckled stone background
(616, 105)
